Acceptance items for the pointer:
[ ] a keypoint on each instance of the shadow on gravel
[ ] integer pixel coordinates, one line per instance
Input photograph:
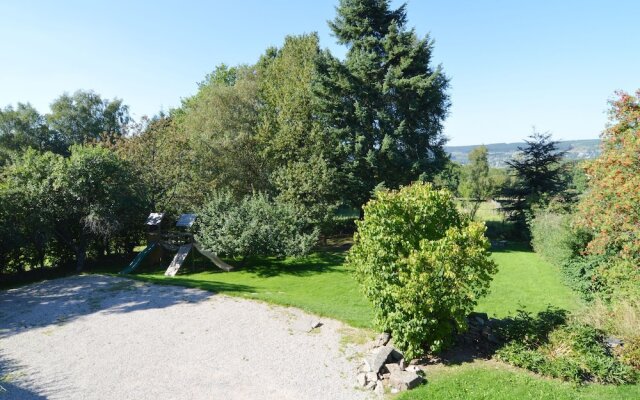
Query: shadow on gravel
(15, 383)
(59, 301)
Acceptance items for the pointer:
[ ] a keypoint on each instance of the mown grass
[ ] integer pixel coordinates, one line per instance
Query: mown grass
(320, 283)
(494, 381)
(525, 281)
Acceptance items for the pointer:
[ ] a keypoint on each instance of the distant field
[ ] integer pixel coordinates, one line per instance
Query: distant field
(499, 153)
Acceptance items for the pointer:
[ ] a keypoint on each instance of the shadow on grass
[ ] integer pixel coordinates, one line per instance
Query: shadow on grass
(184, 281)
(503, 246)
(315, 263)
(263, 267)
(484, 339)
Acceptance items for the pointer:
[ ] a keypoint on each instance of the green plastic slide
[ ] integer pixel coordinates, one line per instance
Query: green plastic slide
(138, 260)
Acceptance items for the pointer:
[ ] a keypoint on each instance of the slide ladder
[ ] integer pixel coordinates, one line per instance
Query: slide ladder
(138, 260)
(178, 260)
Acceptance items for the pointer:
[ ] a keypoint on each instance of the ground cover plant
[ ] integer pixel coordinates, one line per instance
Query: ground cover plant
(550, 345)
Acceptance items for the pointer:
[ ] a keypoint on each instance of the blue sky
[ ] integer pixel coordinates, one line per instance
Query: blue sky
(512, 64)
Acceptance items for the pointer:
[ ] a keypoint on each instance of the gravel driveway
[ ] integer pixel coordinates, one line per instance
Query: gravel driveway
(101, 337)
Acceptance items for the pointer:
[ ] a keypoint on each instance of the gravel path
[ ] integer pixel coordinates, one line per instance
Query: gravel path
(101, 337)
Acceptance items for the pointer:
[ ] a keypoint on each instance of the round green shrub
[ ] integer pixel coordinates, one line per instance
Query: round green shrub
(421, 263)
(253, 226)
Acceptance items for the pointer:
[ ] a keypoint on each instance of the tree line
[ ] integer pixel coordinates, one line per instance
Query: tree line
(299, 126)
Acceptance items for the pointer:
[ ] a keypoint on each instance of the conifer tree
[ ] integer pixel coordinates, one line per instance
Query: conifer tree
(385, 103)
(538, 176)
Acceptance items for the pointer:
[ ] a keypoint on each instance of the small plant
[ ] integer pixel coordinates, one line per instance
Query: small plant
(630, 353)
(571, 351)
(422, 264)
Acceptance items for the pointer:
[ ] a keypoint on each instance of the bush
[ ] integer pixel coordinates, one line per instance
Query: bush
(572, 351)
(253, 226)
(581, 274)
(422, 265)
(553, 238)
(620, 319)
(631, 352)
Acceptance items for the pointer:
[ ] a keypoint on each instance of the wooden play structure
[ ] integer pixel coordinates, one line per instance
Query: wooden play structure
(180, 241)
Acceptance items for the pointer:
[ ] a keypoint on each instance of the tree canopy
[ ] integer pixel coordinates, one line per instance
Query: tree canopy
(385, 104)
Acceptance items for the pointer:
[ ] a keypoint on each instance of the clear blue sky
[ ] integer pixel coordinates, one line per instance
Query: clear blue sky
(513, 64)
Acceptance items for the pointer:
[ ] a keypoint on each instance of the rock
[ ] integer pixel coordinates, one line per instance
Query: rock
(379, 389)
(413, 368)
(402, 364)
(382, 339)
(392, 367)
(314, 325)
(376, 360)
(613, 342)
(362, 379)
(404, 380)
(371, 385)
(395, 355)
(371, 377)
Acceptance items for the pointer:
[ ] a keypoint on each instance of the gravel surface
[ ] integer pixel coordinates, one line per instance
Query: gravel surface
(101, 337)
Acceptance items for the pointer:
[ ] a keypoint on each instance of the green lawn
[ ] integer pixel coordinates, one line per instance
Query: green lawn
(493, 381)
(322, 284)
(525, 281)
(319, 283)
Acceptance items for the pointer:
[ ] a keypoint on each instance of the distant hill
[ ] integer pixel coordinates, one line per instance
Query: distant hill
(499, 153)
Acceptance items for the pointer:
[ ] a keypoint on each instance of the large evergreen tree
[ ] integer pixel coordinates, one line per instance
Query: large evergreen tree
(538, 175)
(385, 104)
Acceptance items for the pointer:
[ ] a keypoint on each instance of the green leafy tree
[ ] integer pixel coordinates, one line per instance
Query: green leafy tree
(609, 210)
(28, 198)
(476, 185)
(293, 145)
(158, 152)
(219, 123)
(288, 130)
(385, 104)
(449, 177)
(23, 127)
(99, 197)
(86, 117)
(311, 186)
(422, 265)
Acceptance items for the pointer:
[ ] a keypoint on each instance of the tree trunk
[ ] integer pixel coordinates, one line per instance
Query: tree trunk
(81, 256)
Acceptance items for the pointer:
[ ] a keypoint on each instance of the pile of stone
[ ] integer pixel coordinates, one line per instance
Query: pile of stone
(384, 366)
(480, 329)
